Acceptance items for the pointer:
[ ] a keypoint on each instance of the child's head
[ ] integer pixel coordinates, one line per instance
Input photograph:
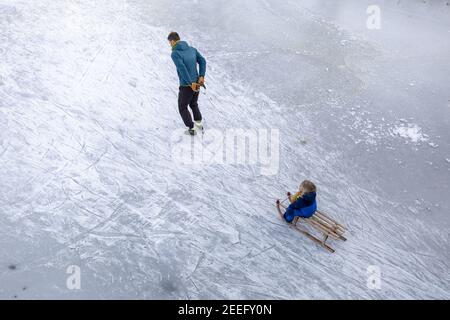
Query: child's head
(307, 186)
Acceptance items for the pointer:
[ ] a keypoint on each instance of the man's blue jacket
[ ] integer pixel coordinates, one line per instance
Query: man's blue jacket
(186, 59)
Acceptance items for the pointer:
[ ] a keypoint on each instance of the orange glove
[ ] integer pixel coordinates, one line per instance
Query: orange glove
(195, 87)
(201, 81)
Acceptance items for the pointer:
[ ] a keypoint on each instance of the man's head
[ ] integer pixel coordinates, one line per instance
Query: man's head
(173, 38)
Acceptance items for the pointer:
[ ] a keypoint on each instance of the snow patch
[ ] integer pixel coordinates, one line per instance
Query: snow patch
(411, 132)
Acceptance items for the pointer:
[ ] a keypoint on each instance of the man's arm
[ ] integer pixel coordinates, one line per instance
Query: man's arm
(202, 63)
(181, 67)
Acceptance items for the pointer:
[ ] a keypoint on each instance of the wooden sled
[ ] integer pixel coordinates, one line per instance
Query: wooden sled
(320, 222)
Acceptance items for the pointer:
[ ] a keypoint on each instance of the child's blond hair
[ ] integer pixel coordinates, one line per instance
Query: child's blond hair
(307, 186)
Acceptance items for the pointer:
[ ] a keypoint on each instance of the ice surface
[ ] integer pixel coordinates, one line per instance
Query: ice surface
(88, 106)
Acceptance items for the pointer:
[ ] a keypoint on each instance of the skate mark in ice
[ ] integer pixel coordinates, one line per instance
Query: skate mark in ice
(12, 267)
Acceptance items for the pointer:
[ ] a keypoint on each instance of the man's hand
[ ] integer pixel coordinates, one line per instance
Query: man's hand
(201, 81)
(195, 87)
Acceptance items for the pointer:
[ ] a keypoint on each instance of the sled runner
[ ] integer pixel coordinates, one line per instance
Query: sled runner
(320, 222)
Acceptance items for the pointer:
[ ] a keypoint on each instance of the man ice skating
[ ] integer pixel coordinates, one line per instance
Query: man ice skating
(186, 59)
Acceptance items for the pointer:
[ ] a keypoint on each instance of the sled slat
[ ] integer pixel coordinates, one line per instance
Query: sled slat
(332, 224)
(328, 226)
(321, 243)
(325, 223)
(321, 228)
(327, 218)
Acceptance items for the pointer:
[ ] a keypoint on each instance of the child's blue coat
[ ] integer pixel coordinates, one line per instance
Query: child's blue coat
(303, 207)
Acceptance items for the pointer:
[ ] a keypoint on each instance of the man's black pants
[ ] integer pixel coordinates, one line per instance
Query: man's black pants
(188, 97)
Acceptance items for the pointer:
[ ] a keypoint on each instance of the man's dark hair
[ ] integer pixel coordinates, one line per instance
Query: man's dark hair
(173, 36)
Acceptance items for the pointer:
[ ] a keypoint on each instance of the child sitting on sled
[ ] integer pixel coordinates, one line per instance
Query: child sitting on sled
(303, 203)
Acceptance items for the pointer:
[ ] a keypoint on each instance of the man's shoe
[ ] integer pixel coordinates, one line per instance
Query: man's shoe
(192, 131)
(198, 125)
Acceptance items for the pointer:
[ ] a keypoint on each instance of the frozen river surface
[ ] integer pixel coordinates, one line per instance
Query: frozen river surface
(87, 172)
